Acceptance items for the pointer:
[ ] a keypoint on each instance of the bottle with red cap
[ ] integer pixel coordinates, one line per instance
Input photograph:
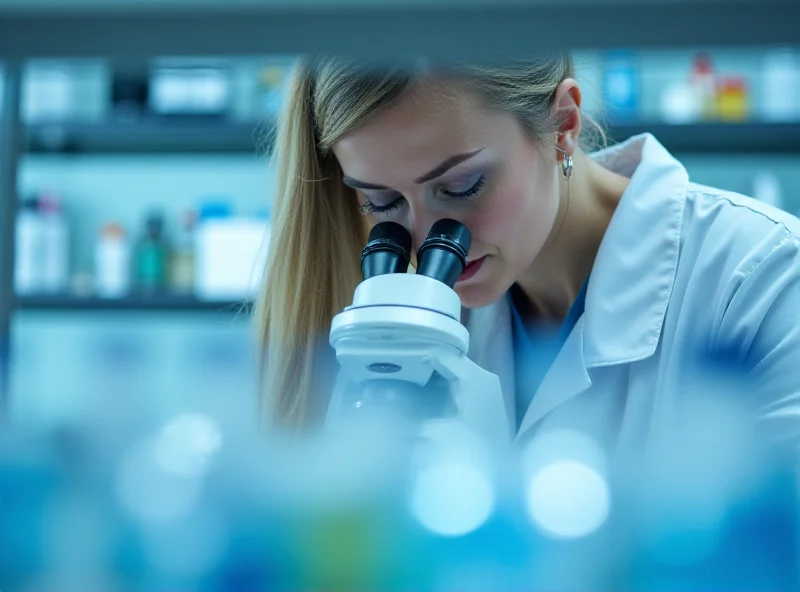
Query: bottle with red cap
(703, 82)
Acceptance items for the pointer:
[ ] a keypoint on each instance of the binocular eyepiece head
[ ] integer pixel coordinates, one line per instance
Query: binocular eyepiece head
(442, 256)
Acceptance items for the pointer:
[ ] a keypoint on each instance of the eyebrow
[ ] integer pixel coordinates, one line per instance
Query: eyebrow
(429, 176)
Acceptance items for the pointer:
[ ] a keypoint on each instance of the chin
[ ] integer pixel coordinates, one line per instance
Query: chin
(477, 296)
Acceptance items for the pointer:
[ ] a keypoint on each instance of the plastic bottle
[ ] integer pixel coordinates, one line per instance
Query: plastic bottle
(704, 85)
(112, 262)
(679, 104)
(780, 85)
(732, 99)
(621, 86)
(182, 269)
(151, 256)
(28, 252)
(55, 245)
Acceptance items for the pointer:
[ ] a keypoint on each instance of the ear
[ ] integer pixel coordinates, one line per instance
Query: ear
(567, 112)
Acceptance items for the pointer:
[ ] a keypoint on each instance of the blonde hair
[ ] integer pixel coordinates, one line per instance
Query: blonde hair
(318, 232)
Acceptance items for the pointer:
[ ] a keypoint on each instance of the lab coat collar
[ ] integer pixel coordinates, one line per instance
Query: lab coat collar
(631, 280)
(628, 291)
(634, 271)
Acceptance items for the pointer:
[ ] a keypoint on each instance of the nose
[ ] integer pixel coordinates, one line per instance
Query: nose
(419, 231)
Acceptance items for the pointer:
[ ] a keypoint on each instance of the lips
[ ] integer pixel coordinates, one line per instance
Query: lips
(471, 269)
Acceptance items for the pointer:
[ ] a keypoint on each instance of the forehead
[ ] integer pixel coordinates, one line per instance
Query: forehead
(426, 126)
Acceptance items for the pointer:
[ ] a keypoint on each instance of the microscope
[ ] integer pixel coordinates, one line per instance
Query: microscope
(401, 347)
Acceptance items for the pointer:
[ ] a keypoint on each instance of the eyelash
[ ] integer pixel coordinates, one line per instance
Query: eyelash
(369, 208)
(471, 192)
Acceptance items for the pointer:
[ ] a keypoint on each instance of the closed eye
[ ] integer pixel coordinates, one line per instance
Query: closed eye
(370, 208)
(468, 193)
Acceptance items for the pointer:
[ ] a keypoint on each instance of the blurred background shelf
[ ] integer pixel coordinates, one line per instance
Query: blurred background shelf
(717, 138)
(221, 137)
(152, 136)
(166, 302)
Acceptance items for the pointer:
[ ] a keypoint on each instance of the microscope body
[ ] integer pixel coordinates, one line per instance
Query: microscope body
(402, 350)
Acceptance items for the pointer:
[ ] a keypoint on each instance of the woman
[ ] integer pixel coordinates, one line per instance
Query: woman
(637, 276)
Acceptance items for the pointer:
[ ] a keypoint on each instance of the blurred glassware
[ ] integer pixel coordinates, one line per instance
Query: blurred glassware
(192, 505)
(182, 262)
(621, 85)
(112, 262)
(42, 246)
(48, 92)
(732, 99)
(703, 82)
(230, 254)
(151, 255)
(679, 104)
(780, 85)
(190, 91)
(28, 248)
(55, 272)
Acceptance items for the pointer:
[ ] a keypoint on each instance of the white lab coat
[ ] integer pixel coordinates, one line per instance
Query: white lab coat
(683, 271)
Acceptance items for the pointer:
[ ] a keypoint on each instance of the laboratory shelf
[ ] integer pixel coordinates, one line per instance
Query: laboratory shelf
(716, 138)
(219, 137)
(163, 302)
(180, 136)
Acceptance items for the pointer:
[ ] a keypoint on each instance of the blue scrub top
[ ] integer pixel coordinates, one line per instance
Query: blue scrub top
(536, 349)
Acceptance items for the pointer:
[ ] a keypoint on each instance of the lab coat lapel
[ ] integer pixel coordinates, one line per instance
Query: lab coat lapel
(566, 378)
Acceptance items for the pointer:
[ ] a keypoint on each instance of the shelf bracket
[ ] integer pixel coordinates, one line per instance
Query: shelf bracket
(10, 142)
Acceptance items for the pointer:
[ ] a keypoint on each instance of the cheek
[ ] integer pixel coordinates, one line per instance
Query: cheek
(518, 217)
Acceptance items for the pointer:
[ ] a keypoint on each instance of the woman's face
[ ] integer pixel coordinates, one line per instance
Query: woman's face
(442, 155)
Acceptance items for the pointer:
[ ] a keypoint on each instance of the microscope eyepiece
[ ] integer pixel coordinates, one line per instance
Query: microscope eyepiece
(443, 254)
(388, 250)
